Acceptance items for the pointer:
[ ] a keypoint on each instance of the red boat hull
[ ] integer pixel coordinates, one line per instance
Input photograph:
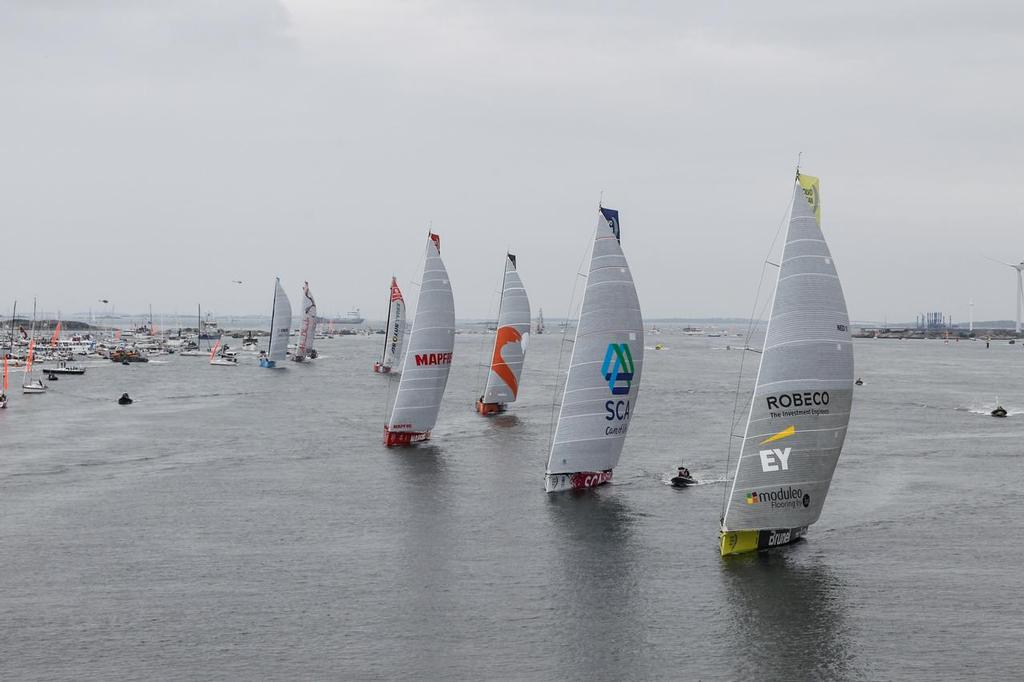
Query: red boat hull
(381, 369)
(489, 408)
(400, 438)
(576, 481)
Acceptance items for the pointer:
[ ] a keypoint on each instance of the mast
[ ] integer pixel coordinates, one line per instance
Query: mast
(14, 312)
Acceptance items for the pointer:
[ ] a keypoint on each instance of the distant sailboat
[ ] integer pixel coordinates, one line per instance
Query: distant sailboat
(510, 341)
(394, 331)
(3, 396)
(429, 357)
(30, 385)
(800, 408)
(217, 357)
(604, 371)
(280, 326)
(540, 322)
(307, 334)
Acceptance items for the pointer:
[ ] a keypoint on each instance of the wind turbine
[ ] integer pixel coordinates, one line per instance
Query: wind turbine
(1019, 267)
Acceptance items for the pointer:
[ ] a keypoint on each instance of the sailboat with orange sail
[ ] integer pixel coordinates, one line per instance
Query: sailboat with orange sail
(510, 341)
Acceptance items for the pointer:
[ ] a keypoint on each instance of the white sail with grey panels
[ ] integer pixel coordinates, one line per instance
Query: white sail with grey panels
(800, 407)
(280, 324)
(429, 355)
(604, 370)
(396, 328)
(307, 335)
(510, 339)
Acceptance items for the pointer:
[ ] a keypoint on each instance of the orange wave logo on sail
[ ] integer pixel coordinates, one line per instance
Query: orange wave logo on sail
(506, 335)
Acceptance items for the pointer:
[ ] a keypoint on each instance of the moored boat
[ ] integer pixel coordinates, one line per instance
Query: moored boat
(800, 408)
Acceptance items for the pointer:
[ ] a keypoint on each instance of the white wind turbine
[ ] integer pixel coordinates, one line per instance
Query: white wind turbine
(1019, 267)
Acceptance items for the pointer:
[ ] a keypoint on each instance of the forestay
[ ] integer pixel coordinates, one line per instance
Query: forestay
(511, 338)
(604, 371)
(801, 402)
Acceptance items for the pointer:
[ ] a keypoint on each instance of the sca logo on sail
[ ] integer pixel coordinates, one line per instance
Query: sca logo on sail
(617, 369)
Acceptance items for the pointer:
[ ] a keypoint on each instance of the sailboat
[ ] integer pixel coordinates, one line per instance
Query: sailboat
(604, 370)
(394, 331)
(510, 341)
(428, 359)
(800, 407)
(191, 350)
(30, 385)
(3, 395)
(280, 326)
(305, 351)
(540, 322)
(218, 357)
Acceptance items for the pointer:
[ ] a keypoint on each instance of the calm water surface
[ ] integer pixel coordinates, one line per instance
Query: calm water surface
(239, 523)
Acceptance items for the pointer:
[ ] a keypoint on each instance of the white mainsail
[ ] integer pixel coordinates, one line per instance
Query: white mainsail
(280, 324)
(429, 357)
(394, 331)
(604, 371)
(801, 403)
(510, 339)
(308, 332)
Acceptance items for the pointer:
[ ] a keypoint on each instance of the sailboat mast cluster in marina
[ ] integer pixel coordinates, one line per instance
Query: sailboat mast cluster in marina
(510, 341)
(800, 407)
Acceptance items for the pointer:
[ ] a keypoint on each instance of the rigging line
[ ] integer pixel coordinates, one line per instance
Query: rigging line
(746, 344)
(561, 347)
(486, 335)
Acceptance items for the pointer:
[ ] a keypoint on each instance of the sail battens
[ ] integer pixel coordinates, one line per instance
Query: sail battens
(800, 406)
(280, 324)
(429, 354)
(603, 379)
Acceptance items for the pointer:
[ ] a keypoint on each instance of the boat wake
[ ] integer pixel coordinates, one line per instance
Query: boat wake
(986, 410)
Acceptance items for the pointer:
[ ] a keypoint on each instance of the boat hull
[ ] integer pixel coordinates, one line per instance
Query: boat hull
(381, 369)
(554, 483)
(743, 541)
(401, 438)
(489, 408)
(29, 390)
(269, 364)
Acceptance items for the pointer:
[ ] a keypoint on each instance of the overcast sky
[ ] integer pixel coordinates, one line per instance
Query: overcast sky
(153, 151)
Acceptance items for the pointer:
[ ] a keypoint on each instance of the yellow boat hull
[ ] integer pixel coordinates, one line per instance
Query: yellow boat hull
(743, 541)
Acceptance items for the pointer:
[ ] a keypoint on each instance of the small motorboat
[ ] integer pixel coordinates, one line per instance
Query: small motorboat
(1000, 411)
(859, 382)
(125, 399)
(65, 368)
(683, 478)
(3, 401)
(51, 377)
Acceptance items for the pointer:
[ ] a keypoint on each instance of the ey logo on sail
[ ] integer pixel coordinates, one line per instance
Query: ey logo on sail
(617, 368)
(775, 459)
